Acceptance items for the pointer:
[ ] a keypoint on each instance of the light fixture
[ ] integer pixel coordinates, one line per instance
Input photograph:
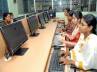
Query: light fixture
(60, 3)
(55, 0)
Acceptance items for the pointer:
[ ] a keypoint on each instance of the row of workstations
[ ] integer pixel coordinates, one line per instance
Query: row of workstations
(28, 53)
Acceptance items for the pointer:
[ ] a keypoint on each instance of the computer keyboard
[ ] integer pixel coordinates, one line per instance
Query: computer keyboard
(54, 65)
(57, 46)
(57, 40)
(60, 26)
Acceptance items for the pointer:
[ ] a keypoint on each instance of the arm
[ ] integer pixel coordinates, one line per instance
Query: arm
(73, 37)
(86, 58)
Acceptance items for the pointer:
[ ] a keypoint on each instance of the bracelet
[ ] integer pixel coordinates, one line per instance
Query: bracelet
(64, 49)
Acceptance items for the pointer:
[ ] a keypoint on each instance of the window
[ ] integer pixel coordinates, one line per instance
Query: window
(59, 5)
(3, 7)
(43, 4)
(28, 6)
(83, 5)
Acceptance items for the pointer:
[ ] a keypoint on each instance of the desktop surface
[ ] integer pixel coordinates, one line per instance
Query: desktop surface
(35, 58)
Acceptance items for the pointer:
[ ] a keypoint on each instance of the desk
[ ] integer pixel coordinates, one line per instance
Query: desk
(36, 57)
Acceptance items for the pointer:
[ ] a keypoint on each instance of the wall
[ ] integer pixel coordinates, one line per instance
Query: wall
(60, 15)
(13, 7)
(96, 5)
(20, 6)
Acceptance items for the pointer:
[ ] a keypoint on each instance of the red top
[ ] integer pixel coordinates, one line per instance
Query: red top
(69, 28)
(76, 38)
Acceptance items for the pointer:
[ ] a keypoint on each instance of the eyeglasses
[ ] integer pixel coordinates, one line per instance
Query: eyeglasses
(83, 24)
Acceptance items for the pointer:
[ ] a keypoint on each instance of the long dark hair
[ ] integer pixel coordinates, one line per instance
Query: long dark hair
(5, 15)
(67, 9)
(78, 14)
(91, 21)
(71, 13)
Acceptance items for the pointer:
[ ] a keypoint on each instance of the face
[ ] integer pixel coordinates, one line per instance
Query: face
(8, 18)
(70, 18)
(84, 28)
(65, 13)
(74, 20)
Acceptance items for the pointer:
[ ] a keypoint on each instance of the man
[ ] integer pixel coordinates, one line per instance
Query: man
(7, 18)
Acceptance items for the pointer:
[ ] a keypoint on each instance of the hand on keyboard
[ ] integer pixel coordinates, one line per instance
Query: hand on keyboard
(54, 63)
(63, 60)
(62, 53)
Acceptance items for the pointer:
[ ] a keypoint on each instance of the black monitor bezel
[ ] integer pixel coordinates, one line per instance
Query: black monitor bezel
(40, 19)
(29, 24)
(10, 50)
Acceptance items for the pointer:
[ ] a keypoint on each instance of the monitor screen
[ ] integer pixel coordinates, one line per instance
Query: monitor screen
(41, 19)
(14, 35)
(33, 24)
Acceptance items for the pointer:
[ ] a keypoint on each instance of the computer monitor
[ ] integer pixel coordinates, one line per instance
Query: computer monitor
(39, 10)
(1, 23)
(45, 16)
(33, 25)
(18, 18)
(48, 15)
(14, 35)
(41, 21)
(30, 14)
(52, 13)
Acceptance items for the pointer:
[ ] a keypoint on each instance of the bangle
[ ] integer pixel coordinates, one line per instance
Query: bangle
(72, 62)
(64, 49)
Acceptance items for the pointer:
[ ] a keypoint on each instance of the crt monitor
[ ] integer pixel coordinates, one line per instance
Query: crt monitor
(14, 35)
(33, 25)
(39, 11)
(29, 14)
(52, 13)
(48, 15)
(1, 23)
(18, 18)
(45, 16)
(41, 20)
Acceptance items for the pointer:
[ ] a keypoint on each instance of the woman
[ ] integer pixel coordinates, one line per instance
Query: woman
(74, 37)
(70, 26)
(66, 11)
(84, 54)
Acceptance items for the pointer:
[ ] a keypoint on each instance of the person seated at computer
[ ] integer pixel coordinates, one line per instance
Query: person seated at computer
(65, 21)
(50, 9)
(74, 37)
(84, 54)
(69, 41)
(70, 26)
(7, 19)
